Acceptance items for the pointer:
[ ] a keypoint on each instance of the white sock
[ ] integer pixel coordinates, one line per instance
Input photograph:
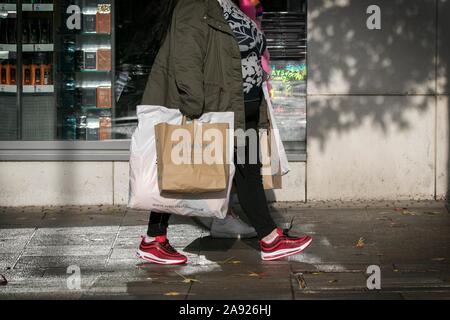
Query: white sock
(271, 239)
(148, 239)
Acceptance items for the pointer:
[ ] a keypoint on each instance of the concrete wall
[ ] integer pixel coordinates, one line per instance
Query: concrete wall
(378, 100)
(56, 183)
(94, 183)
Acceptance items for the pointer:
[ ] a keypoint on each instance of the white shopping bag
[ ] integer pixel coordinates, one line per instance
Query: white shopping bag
(284, 163)
(144, 190)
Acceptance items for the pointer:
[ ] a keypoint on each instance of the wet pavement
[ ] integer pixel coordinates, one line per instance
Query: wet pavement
(42, 251)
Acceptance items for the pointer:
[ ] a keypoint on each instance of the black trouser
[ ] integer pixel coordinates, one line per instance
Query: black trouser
(249, 186)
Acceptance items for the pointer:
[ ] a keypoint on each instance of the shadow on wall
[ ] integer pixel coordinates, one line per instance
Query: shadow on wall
(379, 78)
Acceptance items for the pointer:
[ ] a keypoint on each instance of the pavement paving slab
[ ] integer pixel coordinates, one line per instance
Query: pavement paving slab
(244, 281)
(409, 241)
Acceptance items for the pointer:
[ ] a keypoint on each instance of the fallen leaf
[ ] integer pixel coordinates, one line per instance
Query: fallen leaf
(257, 275)
(333, 281)
(397, 225)
(300, 280)
(3, 281)
(361, 243)
(408, 213)
(225, 261)
(235, 262)
(439, 259)
(172, 294)
(185, 279)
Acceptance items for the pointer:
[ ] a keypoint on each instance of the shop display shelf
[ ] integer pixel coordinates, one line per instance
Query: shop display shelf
(47, 47)
(8, 88)
(8, 47)
(38, 89)
(91, 71)
(8, 7)
(37, 7)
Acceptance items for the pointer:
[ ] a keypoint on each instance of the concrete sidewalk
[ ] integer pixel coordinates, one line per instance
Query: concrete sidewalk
(410, 242)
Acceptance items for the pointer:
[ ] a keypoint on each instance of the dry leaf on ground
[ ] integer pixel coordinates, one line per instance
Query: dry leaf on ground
(333, 281)
(185, 279)
(361, 243)
(439, 259)
(172, 294)
(300, 280)
(225, 261)
(408, 213)
(256, 275)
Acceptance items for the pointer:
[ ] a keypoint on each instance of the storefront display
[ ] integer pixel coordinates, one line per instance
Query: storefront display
(56, 68)
(286, 38)
(75, 70)
(85, 94)
(289, 99)
(27, 71)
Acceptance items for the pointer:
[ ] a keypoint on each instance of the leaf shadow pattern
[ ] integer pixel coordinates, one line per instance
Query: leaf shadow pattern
(359, 76)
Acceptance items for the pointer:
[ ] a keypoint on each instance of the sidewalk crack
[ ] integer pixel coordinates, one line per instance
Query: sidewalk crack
(24, 248)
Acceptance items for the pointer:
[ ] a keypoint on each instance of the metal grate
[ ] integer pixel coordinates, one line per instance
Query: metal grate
(8, 118)
(38, 118)
(286, 34)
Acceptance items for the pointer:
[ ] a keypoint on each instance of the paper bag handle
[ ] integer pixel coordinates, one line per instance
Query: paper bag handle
(184, 121)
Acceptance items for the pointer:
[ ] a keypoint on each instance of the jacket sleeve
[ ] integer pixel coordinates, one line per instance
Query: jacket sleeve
(188, 55)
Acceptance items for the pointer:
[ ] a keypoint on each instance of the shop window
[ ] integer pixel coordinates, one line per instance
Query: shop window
(57, 70)
(75, 70)
(284, 24)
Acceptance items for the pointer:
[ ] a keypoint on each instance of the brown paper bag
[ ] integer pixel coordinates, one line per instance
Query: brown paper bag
(271, 166)
(192, 157)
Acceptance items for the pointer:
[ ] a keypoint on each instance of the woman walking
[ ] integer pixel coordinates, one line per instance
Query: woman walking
(210, 61)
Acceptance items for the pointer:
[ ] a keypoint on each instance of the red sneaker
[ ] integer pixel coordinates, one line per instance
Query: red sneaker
(284, 246)
(160, 252)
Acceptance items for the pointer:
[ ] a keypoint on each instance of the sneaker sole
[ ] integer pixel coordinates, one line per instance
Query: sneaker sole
(273, 257)
(151, 258)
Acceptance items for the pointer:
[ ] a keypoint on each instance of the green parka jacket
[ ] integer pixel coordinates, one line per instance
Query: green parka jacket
(198, 67)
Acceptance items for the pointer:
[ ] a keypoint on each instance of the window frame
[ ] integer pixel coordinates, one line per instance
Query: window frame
(111, 150)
